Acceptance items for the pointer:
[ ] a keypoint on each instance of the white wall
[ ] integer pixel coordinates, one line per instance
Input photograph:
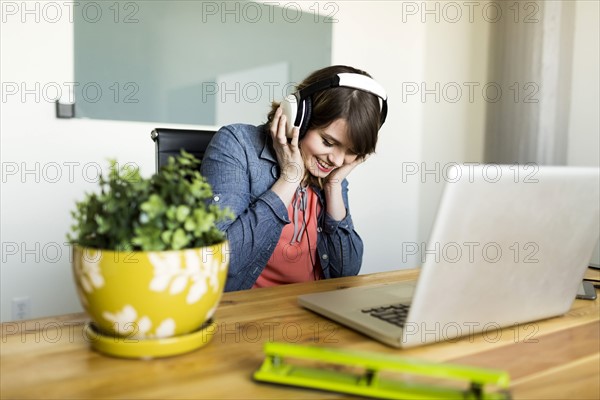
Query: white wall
(35, 213)
(404, 47)
(63, 157)
(584, 119)
(454, 121)
(384, 209)
(387, 211)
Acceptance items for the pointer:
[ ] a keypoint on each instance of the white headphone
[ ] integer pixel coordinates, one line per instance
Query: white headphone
(297, 107)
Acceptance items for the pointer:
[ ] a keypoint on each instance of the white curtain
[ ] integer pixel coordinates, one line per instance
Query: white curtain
(530, 83)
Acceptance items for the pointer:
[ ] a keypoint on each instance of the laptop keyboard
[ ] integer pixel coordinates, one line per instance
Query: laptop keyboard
(394, 313)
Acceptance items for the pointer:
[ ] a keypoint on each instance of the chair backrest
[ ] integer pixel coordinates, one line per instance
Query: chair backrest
(169, 142)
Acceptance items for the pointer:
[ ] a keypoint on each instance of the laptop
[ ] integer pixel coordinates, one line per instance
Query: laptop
(510, 244)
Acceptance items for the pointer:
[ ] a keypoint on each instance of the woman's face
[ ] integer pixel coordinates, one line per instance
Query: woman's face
(326, 149)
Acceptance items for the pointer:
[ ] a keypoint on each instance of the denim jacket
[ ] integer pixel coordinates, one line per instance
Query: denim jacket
(241, 167)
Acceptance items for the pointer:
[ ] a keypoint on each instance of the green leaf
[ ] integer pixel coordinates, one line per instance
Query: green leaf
(166, 236)
(182, 213)
(154, 206)
(103, 225)
(189, 224)
(172, 213)
(164, 211)
(180, 239)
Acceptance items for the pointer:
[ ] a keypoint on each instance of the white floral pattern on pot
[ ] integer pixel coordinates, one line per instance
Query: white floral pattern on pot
(199, 268)
(87, 268)
(126, 323)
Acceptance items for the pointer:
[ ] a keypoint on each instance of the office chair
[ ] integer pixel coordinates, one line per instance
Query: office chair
(169, 142)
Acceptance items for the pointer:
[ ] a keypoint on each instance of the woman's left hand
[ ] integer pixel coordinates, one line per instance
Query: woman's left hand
(333, 189)
(339, 174)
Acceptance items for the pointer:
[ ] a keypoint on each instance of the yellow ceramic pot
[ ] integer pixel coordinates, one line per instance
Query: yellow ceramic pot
(146, 294)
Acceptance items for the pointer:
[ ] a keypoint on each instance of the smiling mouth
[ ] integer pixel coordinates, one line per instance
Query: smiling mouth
(323, 166)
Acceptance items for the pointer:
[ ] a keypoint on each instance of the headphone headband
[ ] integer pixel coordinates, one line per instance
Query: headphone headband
(297, 107)
(346, 79)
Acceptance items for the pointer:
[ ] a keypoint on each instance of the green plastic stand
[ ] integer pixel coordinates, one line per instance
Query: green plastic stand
(369, 382)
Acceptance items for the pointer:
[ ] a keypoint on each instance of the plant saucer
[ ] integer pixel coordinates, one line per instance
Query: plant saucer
(129, 347)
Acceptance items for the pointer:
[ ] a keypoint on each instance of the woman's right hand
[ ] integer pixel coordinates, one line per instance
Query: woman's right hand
(288, 152)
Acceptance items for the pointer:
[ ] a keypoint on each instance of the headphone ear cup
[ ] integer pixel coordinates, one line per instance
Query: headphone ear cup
(307, 111)
(289, 106)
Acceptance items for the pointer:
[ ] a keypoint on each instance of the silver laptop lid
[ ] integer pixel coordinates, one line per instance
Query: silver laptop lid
(510, 244)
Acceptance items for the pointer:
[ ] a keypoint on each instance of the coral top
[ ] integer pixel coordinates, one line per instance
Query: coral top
(295, 257)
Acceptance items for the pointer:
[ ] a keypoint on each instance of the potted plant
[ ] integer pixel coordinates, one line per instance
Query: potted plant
(149, 261)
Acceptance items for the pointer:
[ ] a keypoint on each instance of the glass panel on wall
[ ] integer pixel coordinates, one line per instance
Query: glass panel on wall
(192, 62)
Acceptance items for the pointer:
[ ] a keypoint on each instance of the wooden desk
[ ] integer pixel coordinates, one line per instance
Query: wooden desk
(555, 358)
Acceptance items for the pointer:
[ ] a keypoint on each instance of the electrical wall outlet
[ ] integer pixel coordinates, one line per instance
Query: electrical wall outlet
(21, 308)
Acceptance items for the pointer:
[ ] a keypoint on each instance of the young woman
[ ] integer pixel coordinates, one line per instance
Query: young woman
(285, 181)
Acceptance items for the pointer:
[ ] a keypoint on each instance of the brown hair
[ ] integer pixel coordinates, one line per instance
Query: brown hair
(360, 109)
